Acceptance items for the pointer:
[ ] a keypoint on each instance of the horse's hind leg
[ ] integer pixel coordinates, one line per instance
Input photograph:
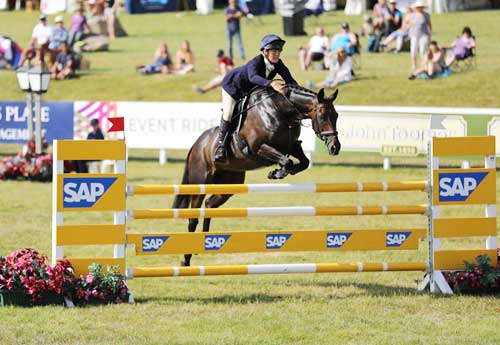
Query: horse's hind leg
(217, 200)
(196, 201)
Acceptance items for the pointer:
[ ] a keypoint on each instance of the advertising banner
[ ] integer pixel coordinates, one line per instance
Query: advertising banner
(57, 121)
(161, 125)
(377, 133)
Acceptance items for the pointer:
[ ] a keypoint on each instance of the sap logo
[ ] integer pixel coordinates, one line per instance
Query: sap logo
(337, 239)
(153, 243)
(458, 186)
(85, 191)
(215, 242)
(396, 239)
(276, 241)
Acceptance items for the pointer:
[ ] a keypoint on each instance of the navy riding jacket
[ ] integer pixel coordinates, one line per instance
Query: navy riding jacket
(241, 80)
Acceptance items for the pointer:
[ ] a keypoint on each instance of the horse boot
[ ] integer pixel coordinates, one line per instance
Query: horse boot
(220, 155)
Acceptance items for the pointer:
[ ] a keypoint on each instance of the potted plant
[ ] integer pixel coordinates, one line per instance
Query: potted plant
(26, 279)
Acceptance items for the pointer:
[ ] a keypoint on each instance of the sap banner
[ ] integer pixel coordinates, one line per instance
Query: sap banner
(57, 121)
(370, 133)
(177, 125)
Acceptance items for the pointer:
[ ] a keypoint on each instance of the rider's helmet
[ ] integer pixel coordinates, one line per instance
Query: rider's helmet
(271, 42)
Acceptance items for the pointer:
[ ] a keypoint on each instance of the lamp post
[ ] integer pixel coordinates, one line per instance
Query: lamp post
(24, 85)
(39, 78)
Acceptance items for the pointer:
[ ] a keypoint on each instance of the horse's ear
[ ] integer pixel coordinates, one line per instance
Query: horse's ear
(321, 95)
(334, 96)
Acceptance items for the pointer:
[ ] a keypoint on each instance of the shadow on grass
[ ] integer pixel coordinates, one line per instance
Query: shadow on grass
(339, 291)
(224, 299)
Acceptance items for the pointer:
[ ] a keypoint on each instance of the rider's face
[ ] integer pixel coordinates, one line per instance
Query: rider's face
(273, 55)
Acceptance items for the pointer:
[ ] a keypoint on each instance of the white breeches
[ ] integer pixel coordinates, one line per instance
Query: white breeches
(227, 105)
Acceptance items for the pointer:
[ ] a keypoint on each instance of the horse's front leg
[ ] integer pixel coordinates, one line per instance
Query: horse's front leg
(269, 153)
(298, 153)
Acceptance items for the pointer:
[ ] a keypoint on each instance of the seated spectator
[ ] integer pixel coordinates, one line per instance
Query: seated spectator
(10, 53)
(163, 62)
(315, 50)
(402, 34)
(59, 35)
(224, 64)
(393, 20)
(380, 11)
(433, 63)
(462, 47)
(95, 7)
(63, 68)
(313, 8)
(184, 59)
(340, 73)
(345, 39)
(39, 42)
(78, 25)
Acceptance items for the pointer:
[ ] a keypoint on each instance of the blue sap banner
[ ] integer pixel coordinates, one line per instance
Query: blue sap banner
(57, 121)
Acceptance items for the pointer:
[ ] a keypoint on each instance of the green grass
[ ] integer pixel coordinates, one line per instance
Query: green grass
(365, 308)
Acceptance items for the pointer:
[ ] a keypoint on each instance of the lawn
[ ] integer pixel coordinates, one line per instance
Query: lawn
(365, 308)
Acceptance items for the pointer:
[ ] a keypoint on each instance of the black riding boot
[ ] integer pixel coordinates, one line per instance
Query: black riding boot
(220, 155)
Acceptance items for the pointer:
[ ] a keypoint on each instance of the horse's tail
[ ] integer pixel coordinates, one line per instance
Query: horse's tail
(182, 201)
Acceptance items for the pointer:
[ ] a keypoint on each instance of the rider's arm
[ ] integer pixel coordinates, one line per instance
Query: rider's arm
(283, 71)
(253, 75)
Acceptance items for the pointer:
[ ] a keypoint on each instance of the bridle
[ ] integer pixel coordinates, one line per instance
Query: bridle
(323, 135)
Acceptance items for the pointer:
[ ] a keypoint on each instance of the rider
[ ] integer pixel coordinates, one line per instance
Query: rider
(259, 71)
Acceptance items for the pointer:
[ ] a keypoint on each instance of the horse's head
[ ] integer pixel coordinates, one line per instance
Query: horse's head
(324, 121)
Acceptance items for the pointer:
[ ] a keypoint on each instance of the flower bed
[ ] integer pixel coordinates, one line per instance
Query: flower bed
(478, 278)
(27, 280)
(27, 166)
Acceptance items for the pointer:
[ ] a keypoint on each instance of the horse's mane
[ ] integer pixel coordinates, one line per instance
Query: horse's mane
(301, 89)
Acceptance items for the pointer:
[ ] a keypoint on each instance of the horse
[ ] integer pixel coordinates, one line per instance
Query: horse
(267, 136)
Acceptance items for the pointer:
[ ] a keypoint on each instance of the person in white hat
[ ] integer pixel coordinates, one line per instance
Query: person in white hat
(59, 35)
(38, 45)
(420, 32)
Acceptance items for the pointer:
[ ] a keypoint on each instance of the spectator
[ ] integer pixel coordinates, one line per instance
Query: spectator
(313, 8)
(315, 50)
(109, 15)
(59, 35)
(39, 43)
(78, 25)
(433, 64)
(224, 65)
(420, 32)
(232, 14)
(163, 62)
(95, 7)
(393, 18)
(96, 134)
(380, 11)
(10, 52)
(340, 73)
(63, 68)
(462, 47)
(344, 39)
(402, 34)
(184, 59)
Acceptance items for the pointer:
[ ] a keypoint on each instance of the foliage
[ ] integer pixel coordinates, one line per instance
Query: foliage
(28, 166)
(101, 285)
(28, 271)
(477, 278)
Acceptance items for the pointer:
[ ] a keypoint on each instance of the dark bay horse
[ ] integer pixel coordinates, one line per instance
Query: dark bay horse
(268, 136)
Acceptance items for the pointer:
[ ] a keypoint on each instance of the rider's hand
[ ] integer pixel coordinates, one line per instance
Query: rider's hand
(278, 87)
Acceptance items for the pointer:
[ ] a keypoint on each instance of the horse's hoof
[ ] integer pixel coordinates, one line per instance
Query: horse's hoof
(184, 264)
(271, 175)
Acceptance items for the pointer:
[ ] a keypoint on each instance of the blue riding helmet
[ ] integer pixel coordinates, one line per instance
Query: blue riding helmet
(271, 42)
